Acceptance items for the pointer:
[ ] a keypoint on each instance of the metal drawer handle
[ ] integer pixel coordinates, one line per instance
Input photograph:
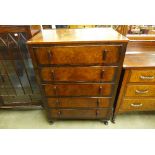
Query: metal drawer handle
(136, 104)
(142, 91)
(146, 77)
(104, 54)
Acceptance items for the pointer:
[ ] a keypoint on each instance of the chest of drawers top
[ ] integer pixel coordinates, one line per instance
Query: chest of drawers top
(90, 35)
(140, 54)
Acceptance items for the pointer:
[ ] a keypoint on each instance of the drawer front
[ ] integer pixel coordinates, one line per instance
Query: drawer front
(79, 102)
(80, 74)
(140, 90)
(80, 113)
(142, 76)
(79, 55)
(138, 104)
(78, 89)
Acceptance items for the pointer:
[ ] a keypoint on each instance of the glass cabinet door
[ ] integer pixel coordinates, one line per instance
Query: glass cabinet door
(17, 78)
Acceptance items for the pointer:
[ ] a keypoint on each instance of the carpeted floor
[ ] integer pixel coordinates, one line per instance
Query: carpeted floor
(36, 119)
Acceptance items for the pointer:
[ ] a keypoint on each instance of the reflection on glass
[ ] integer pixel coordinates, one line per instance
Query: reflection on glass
(17, 78)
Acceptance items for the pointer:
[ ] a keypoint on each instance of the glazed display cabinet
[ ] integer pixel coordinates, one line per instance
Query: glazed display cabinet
(18, 87)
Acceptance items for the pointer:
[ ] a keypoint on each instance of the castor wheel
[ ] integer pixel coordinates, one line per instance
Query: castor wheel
(105, 122)
(51, 122)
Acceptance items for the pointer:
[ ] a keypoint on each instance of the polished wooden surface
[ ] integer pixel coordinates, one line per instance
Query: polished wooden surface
(142, 75)
(79, 102)
(78, 74)
(141, 37)
(30, 29)
(137, 91)
(78, 71)
(76, 114)
(140, 104)
(139, 59)
(137, 88)
(75, 55)
(59, 36)
(78, 89)
(140, 90)
(140, 54)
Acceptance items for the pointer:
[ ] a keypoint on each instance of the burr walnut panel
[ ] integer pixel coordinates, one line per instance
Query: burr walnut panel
(73, 55)
(79, 102)
(78, 70)
(78, 89)
(80, 113)
(93, 74)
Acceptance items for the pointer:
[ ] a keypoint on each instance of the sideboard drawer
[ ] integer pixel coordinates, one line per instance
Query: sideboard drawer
(78, 89)
(102, 54)
(142, 76)
(79, 102)
(80, 113)
(80, 74)
(140, 90)
(141, 104)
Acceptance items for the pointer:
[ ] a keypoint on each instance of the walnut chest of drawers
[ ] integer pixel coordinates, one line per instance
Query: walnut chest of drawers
(78, 71)
(137, 92)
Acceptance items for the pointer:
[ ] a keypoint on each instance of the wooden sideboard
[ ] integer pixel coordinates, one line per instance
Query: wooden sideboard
(137, 87)
(78, 71)
(18, 87)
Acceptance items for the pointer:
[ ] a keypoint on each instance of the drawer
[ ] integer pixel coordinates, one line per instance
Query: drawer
(78, 89)
(79, 102)
(142, 76)
(80, 74)
(107, 54)
(140, 90)
(138, 104)
(80, 113)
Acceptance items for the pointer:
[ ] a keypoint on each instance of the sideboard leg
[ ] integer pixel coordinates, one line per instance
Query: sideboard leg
(113, 120)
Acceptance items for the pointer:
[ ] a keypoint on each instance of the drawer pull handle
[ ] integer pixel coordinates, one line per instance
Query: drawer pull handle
(136, 104)
(52, 75)
(102, 73)
(104, 54)
(59, 113)
(142, 91)
(50, 55)
(97, 112)
(146, 77)
(98, 102)
(100, 90)
(55, 90)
